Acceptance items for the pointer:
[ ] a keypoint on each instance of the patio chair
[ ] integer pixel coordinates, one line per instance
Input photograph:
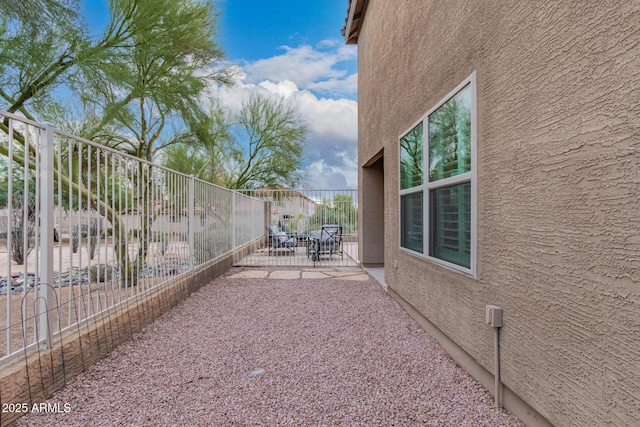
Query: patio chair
(331, 239)
(284, 228)
(327, 240)
(279, 240)
(301, 237)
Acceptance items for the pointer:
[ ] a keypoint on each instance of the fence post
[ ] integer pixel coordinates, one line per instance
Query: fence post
(233, 220)
(46, 238)
(192, 205)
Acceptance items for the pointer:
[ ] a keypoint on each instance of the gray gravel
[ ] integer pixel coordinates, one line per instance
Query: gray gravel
(266, 352)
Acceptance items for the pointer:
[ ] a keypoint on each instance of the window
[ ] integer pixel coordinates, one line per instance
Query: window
(450, 225)
(411, 159)
(411, 213)
(411, 200)
(437, 208)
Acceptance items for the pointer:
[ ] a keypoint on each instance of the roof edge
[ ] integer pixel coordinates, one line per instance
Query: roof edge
(353, 21)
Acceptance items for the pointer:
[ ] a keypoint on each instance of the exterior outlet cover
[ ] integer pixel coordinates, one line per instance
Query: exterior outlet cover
(494, 316)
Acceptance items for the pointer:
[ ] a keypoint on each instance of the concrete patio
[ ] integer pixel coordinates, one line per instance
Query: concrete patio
(298, 257)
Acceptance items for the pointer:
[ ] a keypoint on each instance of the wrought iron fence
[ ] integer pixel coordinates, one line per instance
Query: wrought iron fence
(85, 228)
(307, 228)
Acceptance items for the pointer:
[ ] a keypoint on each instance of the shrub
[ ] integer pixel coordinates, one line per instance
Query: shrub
(100, 272)
(211, 243)
(162, 240)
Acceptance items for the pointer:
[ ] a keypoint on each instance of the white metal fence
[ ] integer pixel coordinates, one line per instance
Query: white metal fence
(84, 228)
(308, 228)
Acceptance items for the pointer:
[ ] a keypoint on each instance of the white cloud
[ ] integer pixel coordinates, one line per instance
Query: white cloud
(285, 88)
(329, 43)
(308, 67)
(328, 177)
(299, 76)
(337, 86)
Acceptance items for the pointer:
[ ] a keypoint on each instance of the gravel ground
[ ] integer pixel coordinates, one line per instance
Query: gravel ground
(267, 352)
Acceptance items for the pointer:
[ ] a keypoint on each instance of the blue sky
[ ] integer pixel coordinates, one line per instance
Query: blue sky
(291, 49)
(253, 29)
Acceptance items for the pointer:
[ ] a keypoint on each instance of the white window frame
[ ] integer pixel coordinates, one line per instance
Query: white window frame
(427, 186)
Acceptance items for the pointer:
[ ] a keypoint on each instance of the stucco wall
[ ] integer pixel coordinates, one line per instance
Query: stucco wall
(558, 121)
(371, 238)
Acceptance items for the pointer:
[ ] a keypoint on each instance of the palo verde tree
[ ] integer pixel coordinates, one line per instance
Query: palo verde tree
(140, 79)
(150, 91)
(273, 134)
(207, 151)
(35, 59)
(261, 145)
(150, 88)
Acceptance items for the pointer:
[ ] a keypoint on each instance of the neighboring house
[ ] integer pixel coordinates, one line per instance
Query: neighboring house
(63, 220)
(287, 206)
(176, 222)
(499, 156)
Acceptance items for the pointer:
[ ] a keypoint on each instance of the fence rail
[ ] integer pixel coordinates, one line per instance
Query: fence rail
(308, 228)
(86, 228)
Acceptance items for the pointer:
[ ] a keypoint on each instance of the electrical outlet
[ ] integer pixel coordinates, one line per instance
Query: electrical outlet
(494, 316)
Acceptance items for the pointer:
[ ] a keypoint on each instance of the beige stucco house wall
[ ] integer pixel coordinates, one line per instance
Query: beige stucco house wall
(557, 190)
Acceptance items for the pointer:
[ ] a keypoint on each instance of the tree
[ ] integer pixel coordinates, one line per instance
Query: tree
(274, 134)
(157, 80)
(151, 65)
(37, 59)
(341, 210)
(140, 80)
(188, 159)
(262, 145)
(154, 82)
(208, 150)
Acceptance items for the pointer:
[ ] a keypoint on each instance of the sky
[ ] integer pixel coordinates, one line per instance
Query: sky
(291, 49)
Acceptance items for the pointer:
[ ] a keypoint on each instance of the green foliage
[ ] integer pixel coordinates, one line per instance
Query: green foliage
(262, 145)
(18, 184)
(211, 243)
(101, 273)
(274, 133)
(51, 49)
(158, 76)
(341, 210)
(208, 150)
(187, 159)
(149, 68)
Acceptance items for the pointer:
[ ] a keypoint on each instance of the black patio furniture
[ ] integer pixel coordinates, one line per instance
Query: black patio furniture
(301, 237)
(327, 240)
(281, 240)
